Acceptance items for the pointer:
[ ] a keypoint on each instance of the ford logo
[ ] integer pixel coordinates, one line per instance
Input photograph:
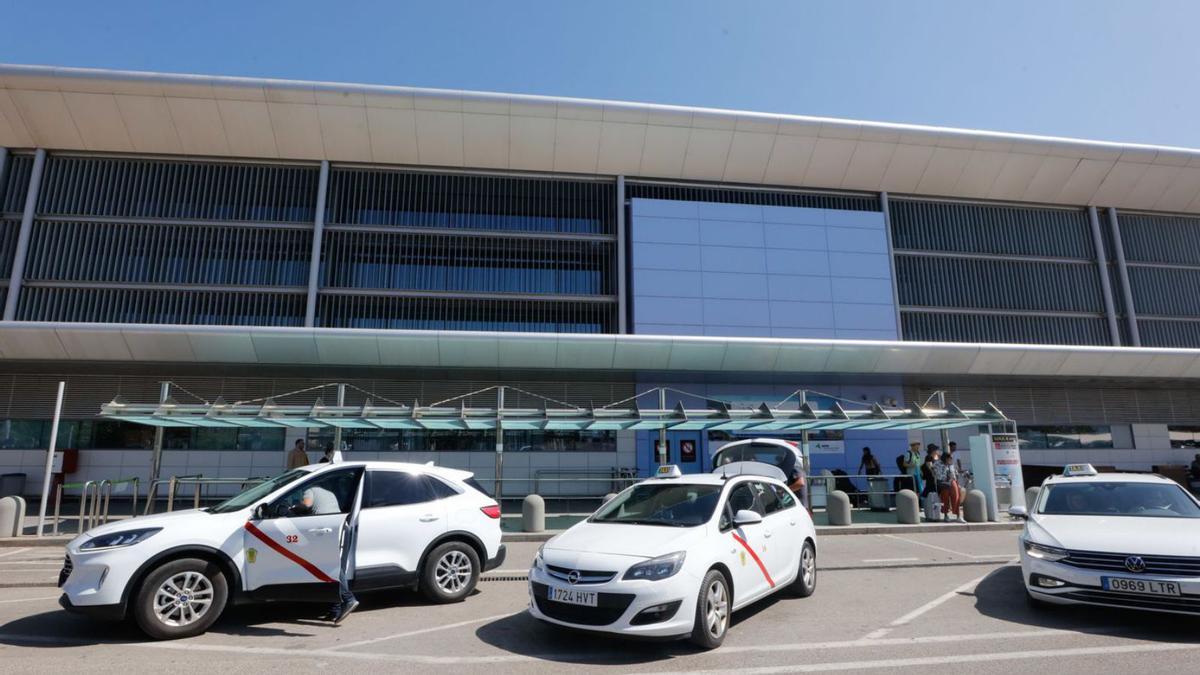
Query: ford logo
(573, 577)
(1134, 563)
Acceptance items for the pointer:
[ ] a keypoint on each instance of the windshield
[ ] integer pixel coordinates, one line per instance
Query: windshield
(1155, 500)
(668, 504)
(753, 452)
(254, 494)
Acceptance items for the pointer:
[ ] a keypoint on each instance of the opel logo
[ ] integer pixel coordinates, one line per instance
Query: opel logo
(573, 577)
(1134, 563)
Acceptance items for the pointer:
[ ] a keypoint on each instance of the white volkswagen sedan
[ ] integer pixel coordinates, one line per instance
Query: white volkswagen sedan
(1113, 539)
(419, 526)
(674, 556)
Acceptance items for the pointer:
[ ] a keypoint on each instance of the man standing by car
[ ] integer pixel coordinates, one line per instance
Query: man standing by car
(297, 457)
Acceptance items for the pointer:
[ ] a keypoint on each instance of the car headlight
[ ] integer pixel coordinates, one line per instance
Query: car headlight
(1043, 552)
(122, 538)
(538, 563)
(657, 568)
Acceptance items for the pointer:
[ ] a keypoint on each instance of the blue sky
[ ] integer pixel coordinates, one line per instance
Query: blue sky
(1122, 70)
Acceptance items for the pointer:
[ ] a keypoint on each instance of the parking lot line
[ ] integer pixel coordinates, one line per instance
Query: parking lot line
(888, 560)
(933, 604)
(422, 631)
(949, 659)
(946, 550)
(45, 597)
(13, 552)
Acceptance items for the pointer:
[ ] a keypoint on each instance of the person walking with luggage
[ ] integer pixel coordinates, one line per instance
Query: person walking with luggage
(946, 473)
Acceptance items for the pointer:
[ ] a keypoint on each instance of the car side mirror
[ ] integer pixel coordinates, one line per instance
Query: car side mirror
(261, 512)
(746, 517)
(1018, 512)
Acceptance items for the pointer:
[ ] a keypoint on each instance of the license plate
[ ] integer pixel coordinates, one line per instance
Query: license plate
(570, 596)
(1140, 586)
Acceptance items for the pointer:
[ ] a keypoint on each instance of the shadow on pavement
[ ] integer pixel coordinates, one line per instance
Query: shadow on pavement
(1002, 596)
(59, 628)
(524, 635)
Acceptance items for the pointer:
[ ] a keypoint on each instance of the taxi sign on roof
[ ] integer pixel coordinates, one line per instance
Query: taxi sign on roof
(1079, 470)
(668, 471)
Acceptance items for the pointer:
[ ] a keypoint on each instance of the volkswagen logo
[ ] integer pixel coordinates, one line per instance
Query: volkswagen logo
(1134, 563)
(573, 577)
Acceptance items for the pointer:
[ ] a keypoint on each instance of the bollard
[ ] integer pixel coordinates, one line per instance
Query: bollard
(1031, 495)
(12, 516)
(837, 507)
(975, 507)
(908, 508)
(533, 514)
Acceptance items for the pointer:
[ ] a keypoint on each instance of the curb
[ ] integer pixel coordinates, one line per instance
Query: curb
(827, 530)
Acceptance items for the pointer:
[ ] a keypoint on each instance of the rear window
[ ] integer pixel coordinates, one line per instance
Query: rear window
(754, 452)
(475, 484)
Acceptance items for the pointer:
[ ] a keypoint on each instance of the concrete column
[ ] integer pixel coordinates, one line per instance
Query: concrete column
(1123, 275)
(18, 269)
(887, 227)
(1105, 285)
(499, 493)
(314, 264)
(622, 291)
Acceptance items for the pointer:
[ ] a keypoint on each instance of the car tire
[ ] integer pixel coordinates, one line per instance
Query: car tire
(450, 573)
(806, 578)
(180, 599)
(714, 609)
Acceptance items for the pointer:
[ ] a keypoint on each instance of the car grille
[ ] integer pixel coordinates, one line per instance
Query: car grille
(610, 607)
(585, 576)
(65, 571)
(1185, 603)
(1155, 564)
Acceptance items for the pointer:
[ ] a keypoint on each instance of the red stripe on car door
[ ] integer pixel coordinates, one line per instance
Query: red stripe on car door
(754, 555)
(276, 546)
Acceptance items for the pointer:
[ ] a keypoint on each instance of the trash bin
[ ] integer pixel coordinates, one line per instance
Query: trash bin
(877, 490)
(12, 484)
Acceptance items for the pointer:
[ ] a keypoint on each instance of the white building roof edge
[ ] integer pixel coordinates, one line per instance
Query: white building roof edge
(155, 113)
(29, 341)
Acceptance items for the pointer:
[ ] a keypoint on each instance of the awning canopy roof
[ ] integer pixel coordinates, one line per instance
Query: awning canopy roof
(716, 417)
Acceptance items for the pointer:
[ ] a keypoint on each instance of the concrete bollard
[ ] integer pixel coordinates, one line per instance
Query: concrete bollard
(533, 514)
(837, 507)
(908, 508)
(975, 507)
(12, 516)
(1031, 495)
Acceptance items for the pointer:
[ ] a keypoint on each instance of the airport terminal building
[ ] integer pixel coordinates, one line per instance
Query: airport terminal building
(246, 239)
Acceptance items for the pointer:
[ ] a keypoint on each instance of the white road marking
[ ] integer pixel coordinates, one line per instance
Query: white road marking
(13, 552)
(1058, 654)
(876, 634)
(44, 597)
(888, 560)
(56, 563)
(947, 550)
(933, 604)
(422, 631)
(492, 573)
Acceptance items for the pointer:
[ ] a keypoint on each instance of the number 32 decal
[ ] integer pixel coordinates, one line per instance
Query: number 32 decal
(292, 538)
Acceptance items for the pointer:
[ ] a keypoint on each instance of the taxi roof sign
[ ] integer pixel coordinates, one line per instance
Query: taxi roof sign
(1079, 470)
(668, 471)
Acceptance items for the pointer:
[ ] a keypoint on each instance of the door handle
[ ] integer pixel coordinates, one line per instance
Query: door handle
(321, 530)
(428, 518)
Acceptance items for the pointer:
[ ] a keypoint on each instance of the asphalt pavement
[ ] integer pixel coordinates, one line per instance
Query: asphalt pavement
(905, 602)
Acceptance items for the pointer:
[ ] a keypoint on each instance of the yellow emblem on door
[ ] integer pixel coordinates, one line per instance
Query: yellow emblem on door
(742, 554)
(251, 555)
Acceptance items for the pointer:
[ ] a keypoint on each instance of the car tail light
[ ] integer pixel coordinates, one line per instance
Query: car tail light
(492, 511)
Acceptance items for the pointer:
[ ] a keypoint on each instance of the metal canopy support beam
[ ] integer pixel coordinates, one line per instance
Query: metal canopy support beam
(499, 492)
(887, 227)
(164, 395)
(1105, 285)
(622, 318)
(314, 264)
(3, 167)
(18, 268)
(1123, 275)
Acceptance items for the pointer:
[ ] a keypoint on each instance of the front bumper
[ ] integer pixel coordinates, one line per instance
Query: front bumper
(1085, 587)
(619, 605)
(103, 612)
(98, 579)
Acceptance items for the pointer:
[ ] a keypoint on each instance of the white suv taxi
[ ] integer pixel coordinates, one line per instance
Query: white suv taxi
(675, 556)
(1115, 539)
(419, 526)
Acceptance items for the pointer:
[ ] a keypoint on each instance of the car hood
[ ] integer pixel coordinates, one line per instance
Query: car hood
(635, 541)
(175, 520)
(1120, 534)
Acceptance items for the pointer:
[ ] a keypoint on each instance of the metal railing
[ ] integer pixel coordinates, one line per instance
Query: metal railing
(93, 510)
(199, 481)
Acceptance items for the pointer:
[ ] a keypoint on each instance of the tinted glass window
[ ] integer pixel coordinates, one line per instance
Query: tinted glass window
(475, 484)
(1159, 500)
(672, 504)
(741, 498)
(330, 493)
(440, 489)
(768, 498)
(397, 488)
(786, 499)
